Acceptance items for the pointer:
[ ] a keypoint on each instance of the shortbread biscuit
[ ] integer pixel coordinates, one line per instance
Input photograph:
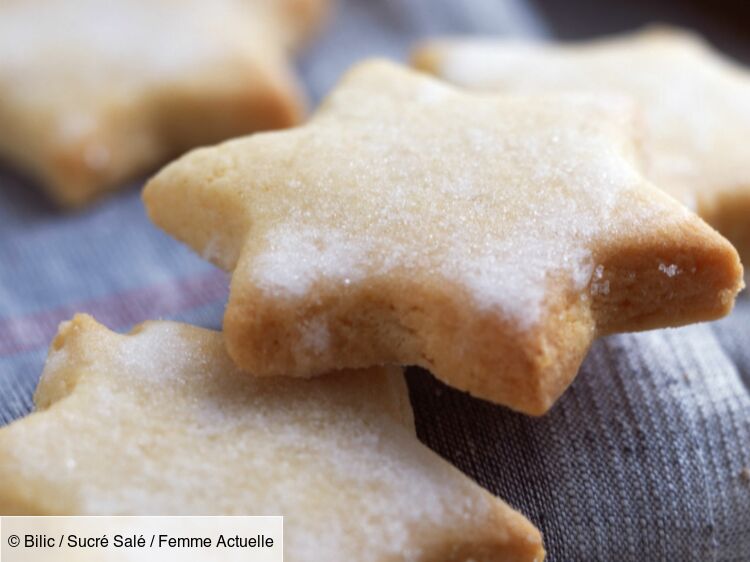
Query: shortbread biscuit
(161, 422)
(489, 239)
(695, 105)
(94, 93)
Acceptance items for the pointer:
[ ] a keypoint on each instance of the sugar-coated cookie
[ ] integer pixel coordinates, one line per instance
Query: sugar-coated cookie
(94, 93)
(160, 422)
(489, 239)
(695, 105)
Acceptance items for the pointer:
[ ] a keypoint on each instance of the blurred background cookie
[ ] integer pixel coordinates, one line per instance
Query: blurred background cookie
(95, 93)
(694, 105)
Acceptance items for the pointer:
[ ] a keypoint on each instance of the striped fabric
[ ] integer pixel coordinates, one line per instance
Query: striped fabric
(647, 457)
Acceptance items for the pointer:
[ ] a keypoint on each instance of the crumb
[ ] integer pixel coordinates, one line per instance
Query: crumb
(669, 270)
(745, 475)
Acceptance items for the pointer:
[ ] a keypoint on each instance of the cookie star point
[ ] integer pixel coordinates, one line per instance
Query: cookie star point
(489, 239)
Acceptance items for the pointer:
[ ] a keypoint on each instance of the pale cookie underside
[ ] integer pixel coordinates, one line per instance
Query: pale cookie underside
(695, 105)
(160, 422)
(487, 238)
(93, 94)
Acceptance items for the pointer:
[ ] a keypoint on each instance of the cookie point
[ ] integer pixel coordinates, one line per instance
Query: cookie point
(670, 32)
(374, 66)
(69, 328)
(426, 57)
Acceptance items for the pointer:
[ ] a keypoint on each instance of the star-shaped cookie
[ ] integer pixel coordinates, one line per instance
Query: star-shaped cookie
(489, 239)
(94, 93)
(694, 103)
(161, 422)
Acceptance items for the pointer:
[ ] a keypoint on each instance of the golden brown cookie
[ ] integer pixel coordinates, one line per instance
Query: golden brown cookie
(94, 93)
(161, 422)
(694, 103)
(489, 239)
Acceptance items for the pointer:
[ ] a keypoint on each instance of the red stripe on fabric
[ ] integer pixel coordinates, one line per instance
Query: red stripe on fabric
(26, 333)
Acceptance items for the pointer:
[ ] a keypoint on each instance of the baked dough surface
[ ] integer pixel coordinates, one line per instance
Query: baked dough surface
(95, 93)
(694, 105)
(489, 239)
(160, 422)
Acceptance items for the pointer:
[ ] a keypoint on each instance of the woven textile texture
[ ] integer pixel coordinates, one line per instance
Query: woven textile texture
(642, 459)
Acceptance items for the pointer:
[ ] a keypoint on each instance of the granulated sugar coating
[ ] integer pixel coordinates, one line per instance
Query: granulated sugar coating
(694, 105)
(161, 422)
(419, 225)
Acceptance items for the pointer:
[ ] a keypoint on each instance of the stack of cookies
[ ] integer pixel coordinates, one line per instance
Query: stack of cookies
(489, 236)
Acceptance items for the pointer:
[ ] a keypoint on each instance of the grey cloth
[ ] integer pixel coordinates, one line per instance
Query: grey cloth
(642, 458)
